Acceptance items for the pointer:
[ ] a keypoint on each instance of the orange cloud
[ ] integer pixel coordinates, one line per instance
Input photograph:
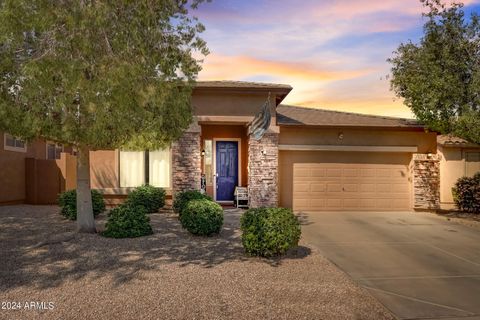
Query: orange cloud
(218, 67)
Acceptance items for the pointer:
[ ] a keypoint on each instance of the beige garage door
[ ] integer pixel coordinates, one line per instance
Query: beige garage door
(344, 186)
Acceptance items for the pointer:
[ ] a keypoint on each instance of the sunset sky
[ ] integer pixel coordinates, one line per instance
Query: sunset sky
(332, 52)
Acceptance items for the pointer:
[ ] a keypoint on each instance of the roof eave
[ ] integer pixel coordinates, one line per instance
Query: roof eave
(303, 125)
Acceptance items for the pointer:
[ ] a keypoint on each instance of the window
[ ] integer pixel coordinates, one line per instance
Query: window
(141, 167)
(12, 143)
(472, 163)
(208, 162)
(54, 150)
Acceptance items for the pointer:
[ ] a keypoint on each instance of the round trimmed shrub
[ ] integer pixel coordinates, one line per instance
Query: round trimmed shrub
(152, 198)
(127, 221)
(68, 202)
(202, 217)
(269, 232)
(466, 194)
(182, 198)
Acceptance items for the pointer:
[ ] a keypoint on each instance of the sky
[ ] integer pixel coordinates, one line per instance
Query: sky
(332, 52)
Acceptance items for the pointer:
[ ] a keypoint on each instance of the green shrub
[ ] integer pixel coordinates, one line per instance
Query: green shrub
(269, 231)
(466, 194)
(202, 217)
(182, 198)
(68, 203)
(127, 221)
(152, 198)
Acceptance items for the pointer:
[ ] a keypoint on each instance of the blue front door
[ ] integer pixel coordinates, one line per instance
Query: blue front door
(227, 169)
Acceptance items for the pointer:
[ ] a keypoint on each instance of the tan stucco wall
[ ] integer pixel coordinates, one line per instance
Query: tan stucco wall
(104, 169)
(452, 167)
(426, 142)
(288, 158)
(12, 173)
(214, 103)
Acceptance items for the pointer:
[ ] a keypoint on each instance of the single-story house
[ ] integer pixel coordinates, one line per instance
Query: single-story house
(309, 159)
(458, 158)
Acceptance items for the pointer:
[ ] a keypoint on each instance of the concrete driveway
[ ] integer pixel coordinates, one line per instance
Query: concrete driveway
(420, 266)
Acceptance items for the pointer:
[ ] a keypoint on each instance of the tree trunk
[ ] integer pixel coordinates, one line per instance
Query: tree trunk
(85, 219)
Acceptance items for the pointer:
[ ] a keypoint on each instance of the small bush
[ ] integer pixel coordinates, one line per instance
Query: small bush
(466, 194)
(202, 217)
(127, 221)
(68, 203)
(268, 232)
(152, 198)
(182, 198)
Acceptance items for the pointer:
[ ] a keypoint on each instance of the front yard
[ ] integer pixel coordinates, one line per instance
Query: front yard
(168, 275)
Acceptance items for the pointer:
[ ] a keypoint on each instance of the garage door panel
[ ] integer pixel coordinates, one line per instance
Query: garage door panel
(334, 187)
(348, 186)
(364, 187)
(317, 203)
(333, 203)
(318, 187)
(301, 187)
(318, 172)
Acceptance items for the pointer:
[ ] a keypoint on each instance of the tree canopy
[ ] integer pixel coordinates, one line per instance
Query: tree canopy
(100, 73)
(439, 78)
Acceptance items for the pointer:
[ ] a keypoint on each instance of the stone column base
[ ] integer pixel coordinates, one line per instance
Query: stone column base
(263, 171)
(426, 182)
(186, 163)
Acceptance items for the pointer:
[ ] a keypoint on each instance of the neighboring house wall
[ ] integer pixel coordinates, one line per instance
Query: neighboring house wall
(454, 165)
(12, 170)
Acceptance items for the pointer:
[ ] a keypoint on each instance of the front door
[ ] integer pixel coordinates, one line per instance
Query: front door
(226, 169)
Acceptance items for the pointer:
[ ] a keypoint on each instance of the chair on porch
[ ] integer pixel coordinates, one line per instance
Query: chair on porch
(240, 197)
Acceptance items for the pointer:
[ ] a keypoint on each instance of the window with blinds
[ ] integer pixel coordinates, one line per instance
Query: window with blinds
(145, 167)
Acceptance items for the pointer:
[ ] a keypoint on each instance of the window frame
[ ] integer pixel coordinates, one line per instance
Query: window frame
(56, 145)
(146, 167)
(465, 152)
(10, 148)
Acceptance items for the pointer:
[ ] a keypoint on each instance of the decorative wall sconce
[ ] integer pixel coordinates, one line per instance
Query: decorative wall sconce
(203, 153)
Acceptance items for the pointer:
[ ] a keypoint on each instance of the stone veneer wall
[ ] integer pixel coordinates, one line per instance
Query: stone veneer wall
(186, 162)
(263, 171)
(426, 181)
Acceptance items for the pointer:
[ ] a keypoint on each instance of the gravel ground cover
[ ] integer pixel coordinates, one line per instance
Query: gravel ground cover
(168, 275)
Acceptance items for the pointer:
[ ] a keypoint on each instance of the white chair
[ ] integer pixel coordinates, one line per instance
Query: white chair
(241, 194)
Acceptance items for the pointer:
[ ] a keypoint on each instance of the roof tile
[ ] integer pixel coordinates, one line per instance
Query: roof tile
(293, 115)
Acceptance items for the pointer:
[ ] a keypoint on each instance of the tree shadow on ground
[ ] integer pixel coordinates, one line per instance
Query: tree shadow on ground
(39, 248)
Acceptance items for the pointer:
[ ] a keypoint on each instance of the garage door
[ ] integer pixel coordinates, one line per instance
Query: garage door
(345, 186)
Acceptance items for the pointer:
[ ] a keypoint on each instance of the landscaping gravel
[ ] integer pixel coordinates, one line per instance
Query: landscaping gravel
(168, 275)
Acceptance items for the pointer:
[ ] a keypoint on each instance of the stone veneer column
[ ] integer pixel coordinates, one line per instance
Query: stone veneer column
(186, 160)
(263, 171)
(426, 181)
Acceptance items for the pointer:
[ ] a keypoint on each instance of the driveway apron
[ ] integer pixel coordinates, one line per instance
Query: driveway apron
(420, 266)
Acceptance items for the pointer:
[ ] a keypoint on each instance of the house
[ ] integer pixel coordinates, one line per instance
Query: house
(458, 158)
(309, 159)
(16, 175)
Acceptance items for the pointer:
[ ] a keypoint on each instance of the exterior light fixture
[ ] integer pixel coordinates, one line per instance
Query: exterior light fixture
(340, 136)
(203, 153)
(263, 152)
